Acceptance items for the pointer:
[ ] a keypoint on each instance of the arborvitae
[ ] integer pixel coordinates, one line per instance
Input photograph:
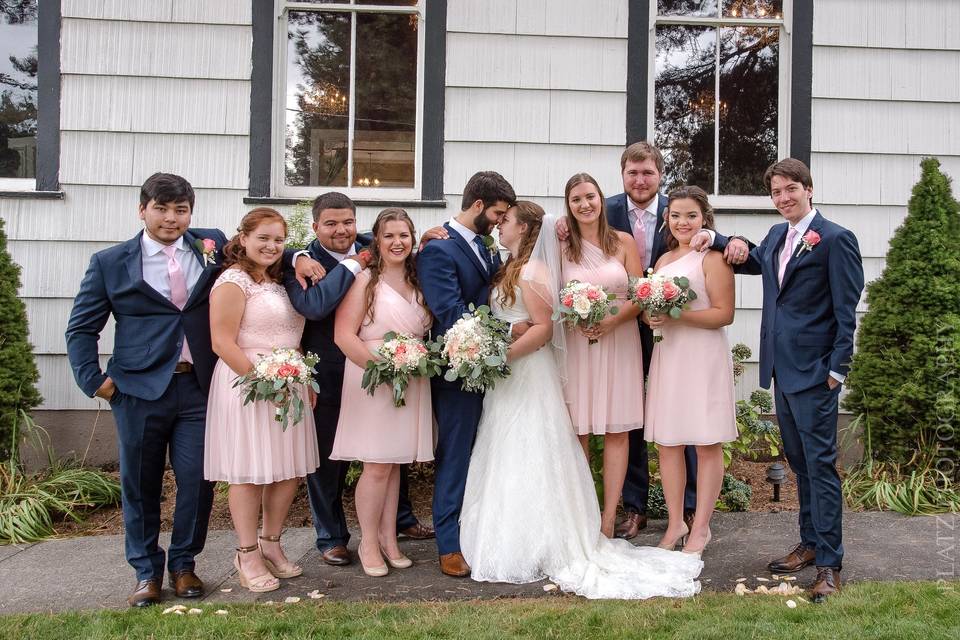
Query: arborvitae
(903, 379)
(18, 371)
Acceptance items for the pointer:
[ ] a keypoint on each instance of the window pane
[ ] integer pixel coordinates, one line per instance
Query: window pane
(386, 103)
(753, 9)
(749, 90)
(317, 98)
(687, 8)
(684, 106)
(18, 89)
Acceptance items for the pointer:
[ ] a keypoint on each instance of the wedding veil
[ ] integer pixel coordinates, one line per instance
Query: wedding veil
(543, 271)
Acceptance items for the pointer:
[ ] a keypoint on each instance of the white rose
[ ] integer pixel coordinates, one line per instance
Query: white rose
(581, 306)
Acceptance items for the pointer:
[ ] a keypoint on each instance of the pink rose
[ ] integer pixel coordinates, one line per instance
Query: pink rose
(592, 295)
(644, 291)
(811, 238)
(670, 290)
(568, 301)
(288, 371)
(401, 349)
(210, 246)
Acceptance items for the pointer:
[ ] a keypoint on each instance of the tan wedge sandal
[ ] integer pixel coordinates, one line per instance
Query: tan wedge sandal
(290, 570)
(258, 584)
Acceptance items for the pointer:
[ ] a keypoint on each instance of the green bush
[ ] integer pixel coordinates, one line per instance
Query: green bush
(656, 505)
(756, 435)
(734, 494)
(902, 381)
(18, 371)
(299, 229)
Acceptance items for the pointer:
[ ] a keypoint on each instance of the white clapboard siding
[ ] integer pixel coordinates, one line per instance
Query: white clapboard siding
(94, 157)
(601, 19)
(58, 387)
(55, 268)
(209, 12)
(896, 24)
(870, 179)
(162, 49)
(158, 105)
(524, 115)
(886, 74)
(536, 62)
(877, 126)
(48, 318)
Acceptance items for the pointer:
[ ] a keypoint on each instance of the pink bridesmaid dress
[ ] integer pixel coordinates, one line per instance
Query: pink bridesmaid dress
(244, 444)
(371, 428)
(604, 387)
(690, 395)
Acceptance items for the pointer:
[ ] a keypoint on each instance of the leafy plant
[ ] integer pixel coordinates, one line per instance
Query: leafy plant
(756, 435)
(734, 494)
(299, 230)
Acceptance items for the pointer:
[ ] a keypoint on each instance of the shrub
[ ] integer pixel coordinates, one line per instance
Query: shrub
(299, 231)
(756, 435)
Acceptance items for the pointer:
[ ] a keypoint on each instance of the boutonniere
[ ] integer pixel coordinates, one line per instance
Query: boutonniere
(208, 249)
(489, 243)
(809, 240)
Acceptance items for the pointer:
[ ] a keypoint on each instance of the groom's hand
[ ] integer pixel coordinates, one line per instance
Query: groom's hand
(307, 267)
(106, 390)
(832, 383)
(434, 233)
(518, 329)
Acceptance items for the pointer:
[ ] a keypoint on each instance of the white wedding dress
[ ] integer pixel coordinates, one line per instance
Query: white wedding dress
(530, 510)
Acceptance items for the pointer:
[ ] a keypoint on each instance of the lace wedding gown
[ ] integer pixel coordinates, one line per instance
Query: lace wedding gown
(530, 510)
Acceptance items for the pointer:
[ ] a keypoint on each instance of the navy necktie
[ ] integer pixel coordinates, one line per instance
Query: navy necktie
(484, 253)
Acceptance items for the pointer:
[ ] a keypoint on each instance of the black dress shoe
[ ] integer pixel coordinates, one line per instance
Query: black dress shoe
(337, 556)
(186, 584)
(145, 594)
(419, 531)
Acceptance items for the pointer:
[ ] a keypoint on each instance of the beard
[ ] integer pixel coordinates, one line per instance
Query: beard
(482, 223)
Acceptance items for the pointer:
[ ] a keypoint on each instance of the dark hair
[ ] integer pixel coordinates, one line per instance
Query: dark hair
(390, 214)
(791, 169)
(699, 196)
(506, 279)
(609, 240)
(331, 200)
(234, 252)
(164, 188)
(490, 187)
(640, 151)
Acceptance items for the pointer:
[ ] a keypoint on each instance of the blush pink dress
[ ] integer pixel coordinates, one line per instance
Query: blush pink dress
(604, 388)
(371, 428)
(243, 442)
(690, 395)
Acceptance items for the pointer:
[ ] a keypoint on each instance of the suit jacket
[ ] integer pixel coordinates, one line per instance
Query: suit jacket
(149, 328)
(809, 322)
(317, 304)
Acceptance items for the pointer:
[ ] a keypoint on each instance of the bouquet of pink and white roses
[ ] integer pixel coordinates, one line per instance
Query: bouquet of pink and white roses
(661, 295)
(400, 358)
(274, 378)
(583, 304)
(475, 350)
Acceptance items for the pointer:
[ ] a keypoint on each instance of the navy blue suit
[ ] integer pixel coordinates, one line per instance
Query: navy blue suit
(636, 485)
(325, 485)
(155, 409)
(451, 277)
(806, 332)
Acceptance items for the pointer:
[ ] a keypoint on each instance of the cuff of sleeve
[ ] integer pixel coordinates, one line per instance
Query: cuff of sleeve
(293, 260)
(352, 265)
(838, 377)
(713, 235)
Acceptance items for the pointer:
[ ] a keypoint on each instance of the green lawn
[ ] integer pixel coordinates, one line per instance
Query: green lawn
(898, 611)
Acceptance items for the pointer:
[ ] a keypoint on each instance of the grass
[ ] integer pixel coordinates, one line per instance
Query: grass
(898, 611)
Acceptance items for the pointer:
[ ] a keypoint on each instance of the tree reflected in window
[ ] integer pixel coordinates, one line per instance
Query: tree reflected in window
(18, 89)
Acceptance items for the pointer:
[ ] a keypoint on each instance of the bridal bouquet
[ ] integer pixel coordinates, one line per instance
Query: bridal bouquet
(401, 357)
(584, 304)
(661, 295)
(475, 350)
(275, 377)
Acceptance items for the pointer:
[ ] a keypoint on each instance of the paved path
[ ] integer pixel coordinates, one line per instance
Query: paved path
(90, 572)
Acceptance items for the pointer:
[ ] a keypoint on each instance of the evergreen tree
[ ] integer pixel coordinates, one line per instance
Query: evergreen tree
(18, 371)
(903, 379)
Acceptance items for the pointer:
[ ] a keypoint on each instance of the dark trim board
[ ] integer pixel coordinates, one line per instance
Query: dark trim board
(261, 102)
(419, 204)
(638, 69)
(32, 195)
(48, 96)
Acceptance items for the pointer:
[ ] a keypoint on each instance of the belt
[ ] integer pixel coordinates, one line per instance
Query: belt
(183, 367)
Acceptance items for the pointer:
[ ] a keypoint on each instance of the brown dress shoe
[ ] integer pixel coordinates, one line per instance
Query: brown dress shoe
(631, 525)
(826, 584)
(453, 564)
(419, 531)
(337, 556)
(146, 593)
(802, 556)
(186, 584)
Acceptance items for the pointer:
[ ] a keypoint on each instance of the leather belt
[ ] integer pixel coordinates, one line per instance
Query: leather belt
(183, 367)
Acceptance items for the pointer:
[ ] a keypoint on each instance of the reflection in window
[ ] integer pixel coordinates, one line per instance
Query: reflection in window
(351, 131)
(18, 89)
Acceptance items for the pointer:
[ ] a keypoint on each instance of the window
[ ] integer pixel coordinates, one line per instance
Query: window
(720, 104)
(350, 113)
(18, 94)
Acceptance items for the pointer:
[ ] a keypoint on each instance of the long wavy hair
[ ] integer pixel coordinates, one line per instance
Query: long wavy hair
(699, 196)
(235, 254)
(506, 279)
(609, 240)
(390, 214)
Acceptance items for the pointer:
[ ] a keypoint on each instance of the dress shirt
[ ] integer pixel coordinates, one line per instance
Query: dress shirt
(154, 263)
(468, 235)
(648, 217)
(344, 258)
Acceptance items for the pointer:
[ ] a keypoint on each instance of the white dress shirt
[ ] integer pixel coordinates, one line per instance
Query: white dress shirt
(468, 235)
(155, 272)
(648, 217)
(344, 258)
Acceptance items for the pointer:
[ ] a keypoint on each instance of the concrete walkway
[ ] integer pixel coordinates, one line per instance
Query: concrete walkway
(90, 572)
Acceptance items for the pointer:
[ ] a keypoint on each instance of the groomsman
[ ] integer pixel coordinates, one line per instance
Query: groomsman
(812, 280)
(337, 250)
(156, 285)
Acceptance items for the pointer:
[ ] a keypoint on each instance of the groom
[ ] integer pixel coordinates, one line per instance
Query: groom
(453, 273)
(812, 280)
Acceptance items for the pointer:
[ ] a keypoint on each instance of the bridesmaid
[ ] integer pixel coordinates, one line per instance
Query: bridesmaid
(250, 314)
(604, 389)
(690, 400)
(385, 297)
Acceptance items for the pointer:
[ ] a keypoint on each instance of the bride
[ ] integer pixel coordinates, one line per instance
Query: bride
(530, 510)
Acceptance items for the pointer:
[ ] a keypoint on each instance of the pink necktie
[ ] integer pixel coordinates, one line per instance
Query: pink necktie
(178, 290)
(786, 252)
(640, 237)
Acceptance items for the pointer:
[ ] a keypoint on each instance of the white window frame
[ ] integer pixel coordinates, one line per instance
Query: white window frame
(278, 165)
(783, 116)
